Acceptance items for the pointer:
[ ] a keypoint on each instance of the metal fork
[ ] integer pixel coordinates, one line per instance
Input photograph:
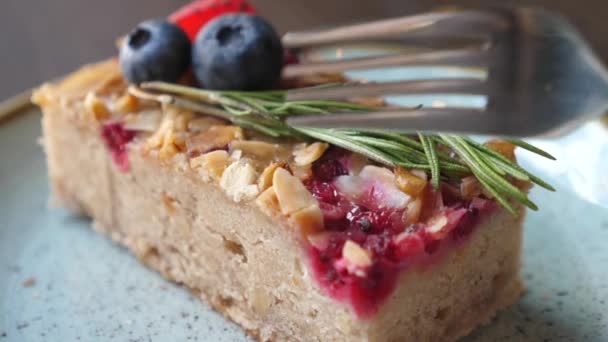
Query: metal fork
(542, 77)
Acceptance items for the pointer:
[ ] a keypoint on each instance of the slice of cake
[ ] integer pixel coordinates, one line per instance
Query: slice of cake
(294, 236)
(293, 241)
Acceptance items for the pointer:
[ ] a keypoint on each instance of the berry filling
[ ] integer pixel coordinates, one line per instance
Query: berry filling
(367, 210)
(116, 138)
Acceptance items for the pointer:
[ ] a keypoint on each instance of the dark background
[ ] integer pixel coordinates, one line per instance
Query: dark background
(43, 39)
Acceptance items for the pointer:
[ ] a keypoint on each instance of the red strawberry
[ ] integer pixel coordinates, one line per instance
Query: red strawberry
(193, 17)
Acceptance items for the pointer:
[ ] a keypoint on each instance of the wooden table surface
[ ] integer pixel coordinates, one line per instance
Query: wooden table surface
(40, 40)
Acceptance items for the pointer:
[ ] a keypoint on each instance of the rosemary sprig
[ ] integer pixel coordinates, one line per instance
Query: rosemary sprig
(265, 112)
(431, 153)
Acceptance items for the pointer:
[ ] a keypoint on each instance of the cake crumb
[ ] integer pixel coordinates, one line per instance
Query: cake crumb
(29, 282)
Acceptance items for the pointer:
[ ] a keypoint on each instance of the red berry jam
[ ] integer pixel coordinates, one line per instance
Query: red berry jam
(367, 220)
(116, 138)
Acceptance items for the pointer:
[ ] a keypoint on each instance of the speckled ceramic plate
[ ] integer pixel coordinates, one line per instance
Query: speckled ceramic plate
(60, 281)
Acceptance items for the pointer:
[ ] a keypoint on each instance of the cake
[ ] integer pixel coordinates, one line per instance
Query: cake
(293, 239)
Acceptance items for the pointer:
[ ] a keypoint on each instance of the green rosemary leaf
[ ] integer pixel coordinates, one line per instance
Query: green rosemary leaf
(253, 103)
(431, 153)
(404, 140)
(409, 142)
(504, 202)
(269, 95)
(251, 124)
(413, 166)
(532, 148)
(331, 105)
(490, 163)
(334, 137)
(302, 109)
(206, 96)
(499, 184)
(399, 149)
(511, 164)
(514, 172)
(236, 111)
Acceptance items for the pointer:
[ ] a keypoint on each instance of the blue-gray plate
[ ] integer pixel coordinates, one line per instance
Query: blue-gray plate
(60, 281)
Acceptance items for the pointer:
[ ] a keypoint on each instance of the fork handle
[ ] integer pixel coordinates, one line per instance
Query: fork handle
(467, 20)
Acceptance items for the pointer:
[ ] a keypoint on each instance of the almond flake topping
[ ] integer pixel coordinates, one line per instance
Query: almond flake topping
(356, 255)
(320, 240)
(127, 104)
(215, 137)
(436, 225)
(291, 192)
(146, 121)
(308, 154)
(268, 202)
(238, 181)
(308, 220)
(409, 182)
(258, 149)
(265, 180)
(214, 163)
(96, 107)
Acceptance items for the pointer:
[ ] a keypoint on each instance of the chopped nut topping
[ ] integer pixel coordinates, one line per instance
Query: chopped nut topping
(470, 187)
(303, 172)
(168, 150)
(147, 121)
(420, 174)
(165, 138)
(292, 194)
(356, 255)
(157, 139)
(320, 240)
(182, 118)
(436, 225)
(265, 180)
(503, 147)
(213, 162)
(308, 220)
(268, 202)
(412, 213)
(307, 155)
(409, 183)
(238, 181)
(96, 107)
(259, 149)
(356, 163)
(236, 154)
(215, 137)
(203, 123)
(127, 104)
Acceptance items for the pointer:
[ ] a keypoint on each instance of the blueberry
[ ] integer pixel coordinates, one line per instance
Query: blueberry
(237, 52)
(155, 50)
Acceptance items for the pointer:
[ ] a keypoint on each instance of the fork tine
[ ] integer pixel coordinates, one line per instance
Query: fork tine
(468, 57)
(470, 86)
(451, 120)
(391, 27)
